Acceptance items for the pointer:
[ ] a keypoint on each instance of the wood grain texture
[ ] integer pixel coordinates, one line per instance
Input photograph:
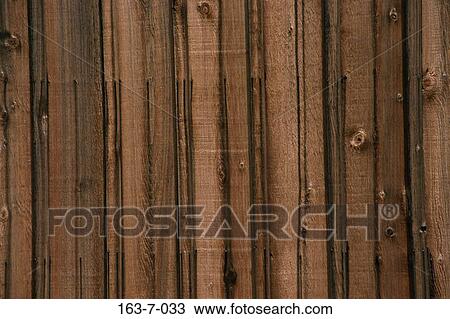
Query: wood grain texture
(224, 103)
(113, 167)
(235, 70)
(392, 254)
(210, 168)
(258, 141)
(282, 144)
(418, 258)
(163, 123)
(75, 110)
(356, 96)
(185, 151)
(333, 145)
(15, 153)
(313, 254)
(436, 68)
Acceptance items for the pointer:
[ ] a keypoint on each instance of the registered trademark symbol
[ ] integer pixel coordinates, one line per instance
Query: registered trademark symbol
(389, 211)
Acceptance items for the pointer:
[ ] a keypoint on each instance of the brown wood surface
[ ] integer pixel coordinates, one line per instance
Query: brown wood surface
(436, 69)
(225, 103)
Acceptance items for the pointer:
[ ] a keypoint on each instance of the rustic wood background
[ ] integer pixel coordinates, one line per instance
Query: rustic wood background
(162, 102)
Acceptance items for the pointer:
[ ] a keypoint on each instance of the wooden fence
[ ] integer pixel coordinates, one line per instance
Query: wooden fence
(121, 103)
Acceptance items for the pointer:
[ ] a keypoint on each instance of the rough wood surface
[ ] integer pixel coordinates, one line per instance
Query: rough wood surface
(436, 70)
(225, 103)
(392, 254)
(15, 153)
(357, 98)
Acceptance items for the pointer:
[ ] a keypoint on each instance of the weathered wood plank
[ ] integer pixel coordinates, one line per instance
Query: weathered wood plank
(185, 149)
(163, 123)
(357, 121)
(75, 166)
(39, 105)
(333, 144)
(418, 259)
(436, 68)
(234, 71)
(257, 142)
(15, 153)
(313, 253)
(130, 35)
(392, 255)
(282, 136)
(113, 167)
(210, 168)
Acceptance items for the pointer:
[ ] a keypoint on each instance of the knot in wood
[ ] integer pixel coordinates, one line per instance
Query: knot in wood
(430, 84)
(393, 14)
(381, 196)
(3, 214)
(358, 139)
(204, 8)
(222, 172)
(230, 277)
(11, 42)
(4, 117)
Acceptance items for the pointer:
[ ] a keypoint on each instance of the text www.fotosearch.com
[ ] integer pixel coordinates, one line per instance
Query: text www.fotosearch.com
(244, 309)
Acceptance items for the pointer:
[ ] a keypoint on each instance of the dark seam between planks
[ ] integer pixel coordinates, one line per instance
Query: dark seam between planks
(263, 114)
(376, 168)
(250, 129)
(176, 139)
(188, 88)
(334, 116)
(299, 148)
(106, 278)
(412, 72)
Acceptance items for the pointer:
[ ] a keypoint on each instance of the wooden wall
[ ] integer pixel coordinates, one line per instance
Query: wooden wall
(121, 103)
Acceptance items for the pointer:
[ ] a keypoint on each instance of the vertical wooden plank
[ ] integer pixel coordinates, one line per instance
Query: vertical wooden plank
(392, 254)
(40, 187)
(313, 267)
(130, 29)
(185, 150)
(76, 167)
(333, 144)
(436, 68)
(203, 22)
(163, 122)
(235, 68)
(282, 136)
(357, 121)
(418, 259)
(90, 157)
(257, 141)
(113, 168)
(15, 153)
(64, 283)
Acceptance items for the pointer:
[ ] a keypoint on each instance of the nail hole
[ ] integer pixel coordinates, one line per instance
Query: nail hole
(423, 228)
(390, 232)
